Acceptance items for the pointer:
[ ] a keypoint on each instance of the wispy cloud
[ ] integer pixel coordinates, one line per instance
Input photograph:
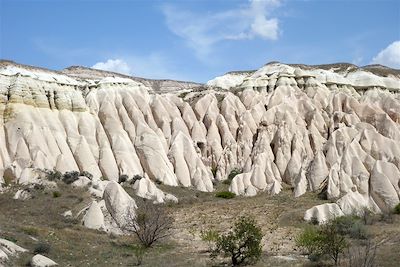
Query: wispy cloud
(115, 65)
(202, 31)
(390, 56)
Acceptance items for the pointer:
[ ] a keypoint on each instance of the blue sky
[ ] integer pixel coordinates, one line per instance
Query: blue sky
(198, 40)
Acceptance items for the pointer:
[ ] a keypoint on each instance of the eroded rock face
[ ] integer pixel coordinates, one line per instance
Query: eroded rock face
(311, 128)
(118, 203)
(94, 218)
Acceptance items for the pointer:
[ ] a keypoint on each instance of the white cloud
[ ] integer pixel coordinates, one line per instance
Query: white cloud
(115, 65)
(153, 66)
(202, 31)
(390, 56)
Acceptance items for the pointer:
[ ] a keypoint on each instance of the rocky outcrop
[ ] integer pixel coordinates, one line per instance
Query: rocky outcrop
(94, 218)
(118, 203)
(8, 248)
(42, 261)
(330, 128)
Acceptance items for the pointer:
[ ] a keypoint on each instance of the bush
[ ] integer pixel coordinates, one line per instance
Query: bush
(242, 244)
(323, 240)
(42, 248)
(225, 194)
(150, 223)
(122, 178)
(310, 240)
(362, 256)
(135, 178)
(87, 174)
(233, 173)
(70, 177)
(351, 226)
(396, 209)
(56, 194)
(53, 175)
(333, 243)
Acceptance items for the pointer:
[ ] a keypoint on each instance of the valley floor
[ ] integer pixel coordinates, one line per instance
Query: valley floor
(34, 222)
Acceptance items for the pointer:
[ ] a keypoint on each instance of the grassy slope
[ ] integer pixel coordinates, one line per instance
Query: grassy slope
(39, 220)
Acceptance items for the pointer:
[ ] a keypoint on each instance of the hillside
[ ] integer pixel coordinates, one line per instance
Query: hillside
(284, 129)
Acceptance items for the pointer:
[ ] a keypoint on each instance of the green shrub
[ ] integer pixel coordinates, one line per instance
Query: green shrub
(225, 194)
(233, 173)
(333, 243)
(350, 225)
(56, 194)
(122, 178)
(53, 175)
(242, 244)
(70, 177)
(86, 174)
(310, 240)
(42, 248)
(184, 94)
(322, 240)
(135, 178)
(396, 209)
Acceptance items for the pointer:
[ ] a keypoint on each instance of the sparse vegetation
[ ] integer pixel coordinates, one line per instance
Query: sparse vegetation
(350, 225)
(86, 174)
(214, 170)
(332, 242)
(242, 243)
(139, 251)
(310, 240)
(56, 194)
(210, 236)
(135, 178)
(8, 178)
(30, 230)
(53, 175)
(70, 177)
(184, 94)
(150, 223)
(233, 173)
(42, 248)
(225, 194)
(123, 178)
(363, 255)
(397, 209)
(329, 239)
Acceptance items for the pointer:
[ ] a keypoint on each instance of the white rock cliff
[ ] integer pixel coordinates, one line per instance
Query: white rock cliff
(332, 127)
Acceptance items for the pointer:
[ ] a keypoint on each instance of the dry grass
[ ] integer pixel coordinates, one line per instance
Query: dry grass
(39, 220)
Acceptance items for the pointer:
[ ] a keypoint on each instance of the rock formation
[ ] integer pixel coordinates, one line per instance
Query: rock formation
(331, 127)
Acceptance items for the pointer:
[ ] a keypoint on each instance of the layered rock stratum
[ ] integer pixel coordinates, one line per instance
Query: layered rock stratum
(329, 128)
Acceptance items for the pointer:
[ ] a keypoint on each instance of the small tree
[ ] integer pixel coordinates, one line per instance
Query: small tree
(326, 239)
(362, 256)
(150, 223)
(242, 244)
(310, 240)
(333, 242)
